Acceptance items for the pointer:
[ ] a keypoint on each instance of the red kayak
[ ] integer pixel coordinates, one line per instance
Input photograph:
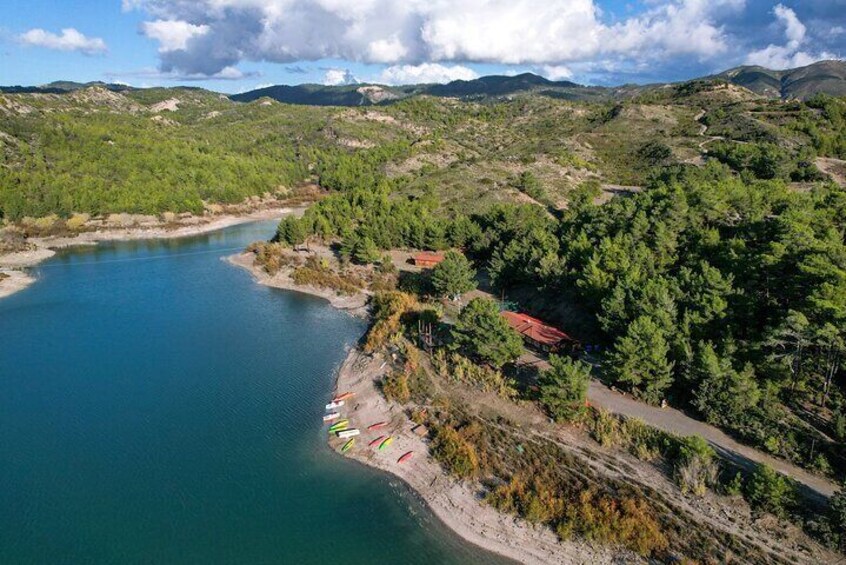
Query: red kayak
(345, 396)
(405, 457)
(376, 441)
(376, 426)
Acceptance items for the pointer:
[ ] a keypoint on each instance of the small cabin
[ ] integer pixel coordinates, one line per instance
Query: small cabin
(538, 334)
(427, 260)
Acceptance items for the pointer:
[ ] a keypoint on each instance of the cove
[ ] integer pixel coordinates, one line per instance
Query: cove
(158, 406)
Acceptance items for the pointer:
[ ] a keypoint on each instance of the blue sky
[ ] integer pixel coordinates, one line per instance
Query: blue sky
(236, 45)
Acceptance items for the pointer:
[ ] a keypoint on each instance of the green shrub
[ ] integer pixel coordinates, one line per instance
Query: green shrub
(695, 469)
(605, 428)
(769, 491)
(734, 487)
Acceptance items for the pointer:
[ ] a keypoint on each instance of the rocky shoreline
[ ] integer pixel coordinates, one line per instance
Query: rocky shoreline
(355, 304)
(14, 264)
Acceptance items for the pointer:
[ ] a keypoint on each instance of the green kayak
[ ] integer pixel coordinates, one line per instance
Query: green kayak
(339, 425)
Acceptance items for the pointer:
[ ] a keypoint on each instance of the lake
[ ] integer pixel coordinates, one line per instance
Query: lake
(158, 406)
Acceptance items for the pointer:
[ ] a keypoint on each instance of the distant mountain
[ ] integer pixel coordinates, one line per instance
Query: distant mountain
(61, 87)
(825, 76)
(828, 77)
(369, 94)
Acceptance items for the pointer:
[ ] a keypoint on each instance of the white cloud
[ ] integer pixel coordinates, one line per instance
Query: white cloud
(425, 73)
(556, 72)
(411, 32)
(338, 77)
(69, 40)
(790, 54)
(172, 34)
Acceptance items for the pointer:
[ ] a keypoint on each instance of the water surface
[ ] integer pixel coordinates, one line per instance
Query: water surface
(157, 406)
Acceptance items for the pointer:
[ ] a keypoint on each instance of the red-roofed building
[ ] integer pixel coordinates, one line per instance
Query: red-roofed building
(427, 260)
(538, 334)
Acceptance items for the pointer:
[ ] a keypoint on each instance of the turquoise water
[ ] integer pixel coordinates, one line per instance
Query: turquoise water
(157, 406)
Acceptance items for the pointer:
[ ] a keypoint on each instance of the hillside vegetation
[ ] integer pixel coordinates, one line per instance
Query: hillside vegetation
(98, 151)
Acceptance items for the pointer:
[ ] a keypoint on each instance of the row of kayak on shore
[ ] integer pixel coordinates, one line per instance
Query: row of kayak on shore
(341, 428)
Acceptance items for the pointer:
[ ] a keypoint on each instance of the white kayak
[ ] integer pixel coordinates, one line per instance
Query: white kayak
(331, 416)
(352, 432)
(334, 404)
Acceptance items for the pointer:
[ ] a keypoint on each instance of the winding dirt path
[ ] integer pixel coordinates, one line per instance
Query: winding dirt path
(703, 131)
(677, 422)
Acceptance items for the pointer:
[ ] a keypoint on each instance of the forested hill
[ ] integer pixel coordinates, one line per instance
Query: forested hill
(95, 150)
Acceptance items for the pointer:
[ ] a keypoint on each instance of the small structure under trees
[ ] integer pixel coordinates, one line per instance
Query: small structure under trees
(538, 334)
(427, 259)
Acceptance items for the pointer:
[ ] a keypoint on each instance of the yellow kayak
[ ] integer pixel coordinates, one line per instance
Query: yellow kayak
(339, 425)
(386, 442)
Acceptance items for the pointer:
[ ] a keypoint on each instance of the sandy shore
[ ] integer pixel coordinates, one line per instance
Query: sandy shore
(355, 304)
(456, 504)
(13, 281)
(43, 249)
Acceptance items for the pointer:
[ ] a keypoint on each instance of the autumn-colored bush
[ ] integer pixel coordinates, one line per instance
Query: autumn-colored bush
(343, 283)
(77, 222)
(388, 310)
(628, 521)
(454, 452)
(545, 498)
(271, 256)
(395, 387)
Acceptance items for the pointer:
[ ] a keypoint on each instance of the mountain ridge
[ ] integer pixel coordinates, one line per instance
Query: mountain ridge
(828, 77)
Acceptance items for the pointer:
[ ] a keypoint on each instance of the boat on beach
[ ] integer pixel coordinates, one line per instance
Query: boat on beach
(339, 425)
(347, 446)
(331, 416)
(344, 396)
(376, 426)
(405, 457)
(344, 434)
(334, 404)
(386, 442)
(376, 441)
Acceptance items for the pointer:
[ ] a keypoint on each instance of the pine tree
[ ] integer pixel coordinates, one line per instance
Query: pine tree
(563, 388)
(639, 360)
(482, 333)
(453, 276)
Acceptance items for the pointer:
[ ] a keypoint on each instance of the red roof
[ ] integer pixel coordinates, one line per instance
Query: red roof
(534, 329)
(428, 257)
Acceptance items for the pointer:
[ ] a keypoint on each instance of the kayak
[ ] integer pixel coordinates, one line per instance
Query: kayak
(348, 445)
(344, 434)
(339, 425)
(334, 404)
(342, 397)
(331, 416)
(385, 443)
(376, 441)
(376, 426)
(405, 457)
